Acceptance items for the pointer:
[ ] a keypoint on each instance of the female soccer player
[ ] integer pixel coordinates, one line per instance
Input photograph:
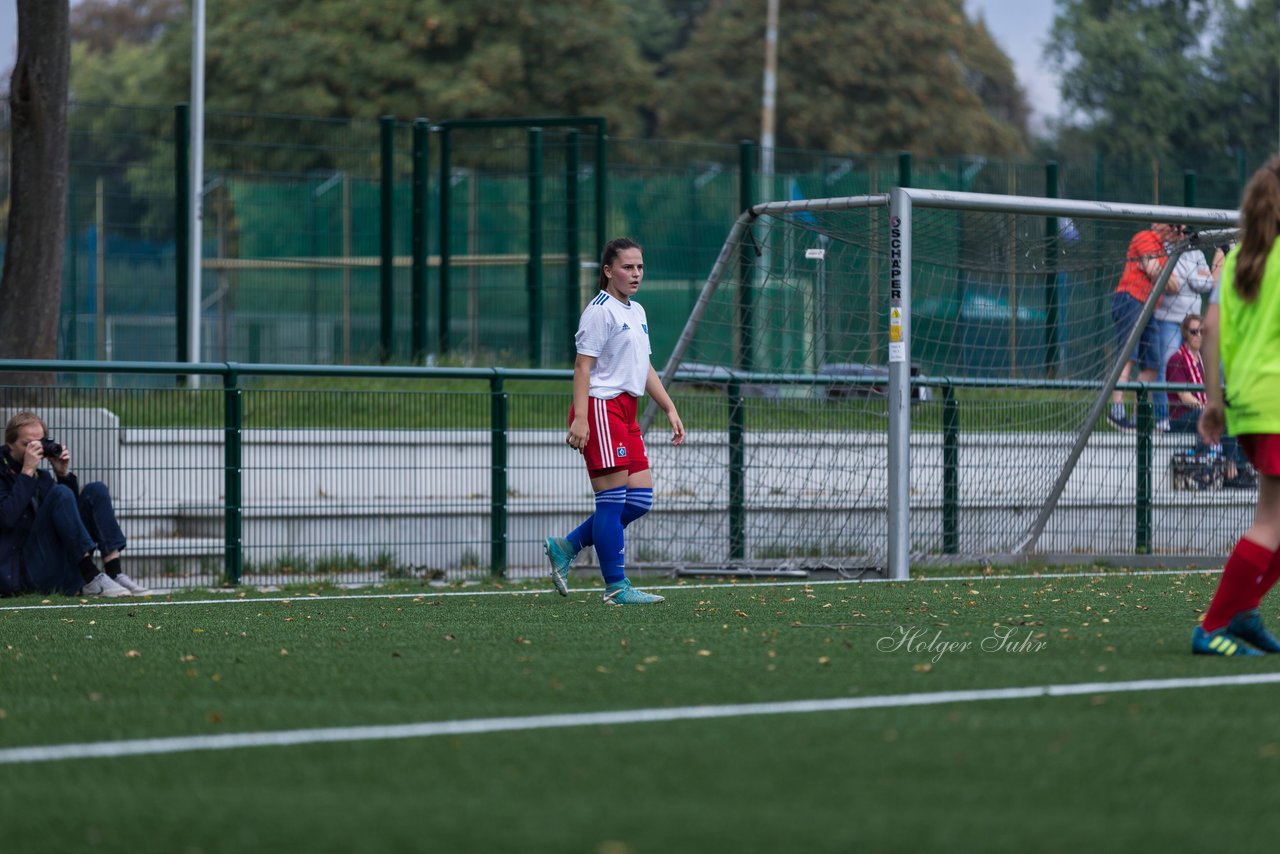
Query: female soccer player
(611, 373)
(1242, 326)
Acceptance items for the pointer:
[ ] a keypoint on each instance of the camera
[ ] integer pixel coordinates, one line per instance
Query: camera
(52, 450)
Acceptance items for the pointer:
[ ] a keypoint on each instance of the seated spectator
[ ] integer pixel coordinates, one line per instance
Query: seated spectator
(49, 526)
(1187, 366)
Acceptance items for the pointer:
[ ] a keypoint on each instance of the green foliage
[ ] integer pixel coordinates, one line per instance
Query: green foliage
(1182, 80)
(399, 57)
(852, 76)
(1245, 98)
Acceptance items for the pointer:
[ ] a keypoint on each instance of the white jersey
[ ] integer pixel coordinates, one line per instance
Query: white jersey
(617, 334)
(1193, 278)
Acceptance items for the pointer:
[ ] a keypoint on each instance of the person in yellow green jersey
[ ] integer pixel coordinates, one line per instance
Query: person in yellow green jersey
(1242, 334)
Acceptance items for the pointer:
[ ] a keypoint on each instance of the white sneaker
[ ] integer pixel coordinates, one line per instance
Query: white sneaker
(129, 584)
(102, 585)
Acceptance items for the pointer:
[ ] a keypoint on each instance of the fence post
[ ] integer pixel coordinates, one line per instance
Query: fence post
(950, 471)
(904, 168)
(572, 249)
(602, 184)
(533, 271)
(498, 477)
(387, 280)
(421, 220)
(232, 476)
(1051, 276)
(746, 289)
(737, 474)
(182, 227)
(442, 277)
(1142, 504)
(1189, 188)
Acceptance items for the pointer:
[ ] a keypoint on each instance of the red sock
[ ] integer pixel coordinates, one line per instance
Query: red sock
(1239, 588)
(1268, 581)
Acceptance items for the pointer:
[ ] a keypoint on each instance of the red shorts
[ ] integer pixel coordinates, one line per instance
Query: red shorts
(1263, 450)
(614, 441)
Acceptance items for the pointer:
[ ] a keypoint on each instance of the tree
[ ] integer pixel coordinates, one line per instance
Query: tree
(1244, 105)
(102, 25)
(852, 76)
(1137, 73)
(31, 286)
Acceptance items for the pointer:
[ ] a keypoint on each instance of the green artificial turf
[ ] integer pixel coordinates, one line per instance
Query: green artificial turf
(1102, 771)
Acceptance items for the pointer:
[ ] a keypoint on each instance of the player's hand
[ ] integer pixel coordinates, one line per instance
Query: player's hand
(1211, 424)
(579, 433)
(677, 427)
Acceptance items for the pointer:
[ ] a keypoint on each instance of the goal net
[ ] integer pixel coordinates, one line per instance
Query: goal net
(1006, 354)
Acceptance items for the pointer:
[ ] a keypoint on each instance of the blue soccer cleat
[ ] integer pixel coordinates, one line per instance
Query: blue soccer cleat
(1247, 625)
(623, 593)
(561, 553)
(1220, 642)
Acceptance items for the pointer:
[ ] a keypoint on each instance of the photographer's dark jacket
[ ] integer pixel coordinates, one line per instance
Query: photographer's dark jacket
(19, 497)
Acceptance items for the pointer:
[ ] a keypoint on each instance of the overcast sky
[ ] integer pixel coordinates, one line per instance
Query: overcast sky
(1021, 27)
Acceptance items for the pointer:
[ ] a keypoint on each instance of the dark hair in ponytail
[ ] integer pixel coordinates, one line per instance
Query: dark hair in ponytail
(1259, 227)
(611, 250)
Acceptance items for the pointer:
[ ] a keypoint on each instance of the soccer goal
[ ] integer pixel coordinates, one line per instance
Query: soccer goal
(921, 376)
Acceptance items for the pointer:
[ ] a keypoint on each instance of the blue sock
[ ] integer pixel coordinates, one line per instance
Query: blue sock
(639, 501)
(580, 537)
(606, 532)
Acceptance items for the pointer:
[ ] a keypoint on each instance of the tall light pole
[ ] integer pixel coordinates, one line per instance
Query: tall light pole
(195, 206)
(769, 98)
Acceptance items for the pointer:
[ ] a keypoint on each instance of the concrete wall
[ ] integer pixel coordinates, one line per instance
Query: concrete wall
(422, 497)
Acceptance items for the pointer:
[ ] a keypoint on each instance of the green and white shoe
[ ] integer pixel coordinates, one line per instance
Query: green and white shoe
(623, 593)
(561, 554)
(1219, 642)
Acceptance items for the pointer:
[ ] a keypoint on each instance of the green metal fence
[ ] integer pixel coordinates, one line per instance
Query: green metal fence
(322, 239)
(269, 474)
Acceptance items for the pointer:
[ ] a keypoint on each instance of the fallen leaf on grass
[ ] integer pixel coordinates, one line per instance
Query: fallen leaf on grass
(133, 653)
(922, 668)
(824, 660)
(704, 652)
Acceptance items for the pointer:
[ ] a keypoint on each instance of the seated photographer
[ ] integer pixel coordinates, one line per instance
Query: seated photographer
(49, 526)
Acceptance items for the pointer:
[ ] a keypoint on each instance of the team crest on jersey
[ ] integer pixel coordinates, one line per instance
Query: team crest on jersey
(645, 327)
(622, 452)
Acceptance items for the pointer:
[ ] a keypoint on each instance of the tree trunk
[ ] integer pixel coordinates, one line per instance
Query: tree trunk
(31, 287)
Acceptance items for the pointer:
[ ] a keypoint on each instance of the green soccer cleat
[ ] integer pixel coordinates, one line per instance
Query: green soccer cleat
(623, 593)
(561, 553)
(1220, 642)
(1247, 625)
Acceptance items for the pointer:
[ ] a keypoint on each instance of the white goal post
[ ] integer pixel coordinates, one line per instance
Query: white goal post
(777, 299)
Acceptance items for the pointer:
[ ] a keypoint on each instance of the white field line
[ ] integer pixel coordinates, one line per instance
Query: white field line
(718, 585)
(480, 726)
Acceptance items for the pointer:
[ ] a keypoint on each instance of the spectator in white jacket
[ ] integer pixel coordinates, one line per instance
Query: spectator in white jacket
(1194, 279)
